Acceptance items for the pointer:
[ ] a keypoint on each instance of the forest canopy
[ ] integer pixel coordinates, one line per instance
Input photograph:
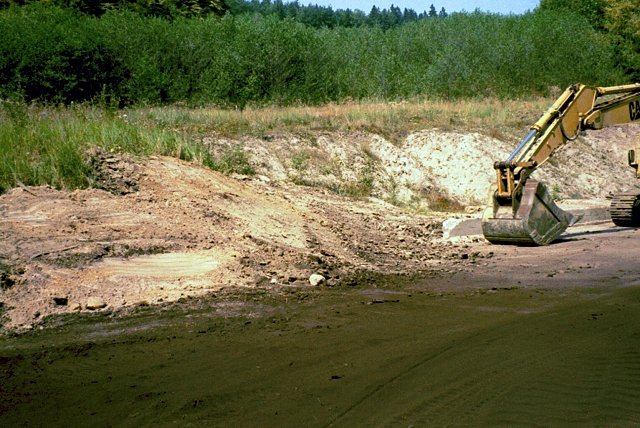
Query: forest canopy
(233, 52)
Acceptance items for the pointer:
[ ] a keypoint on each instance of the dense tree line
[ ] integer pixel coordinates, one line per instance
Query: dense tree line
(312, 15)
(158, 8)
(618, 20)
(120, 56)
(324, 16)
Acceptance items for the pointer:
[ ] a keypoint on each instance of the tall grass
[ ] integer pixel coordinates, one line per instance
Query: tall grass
(390, 119)
(47, 145)
(41, 145)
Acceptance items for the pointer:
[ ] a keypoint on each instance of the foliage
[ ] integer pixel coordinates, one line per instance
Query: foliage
(617, 20)
(123, 58)
(317, 16)
(622, 20)
(232, 161)
(391, 120)
(591, 10)
(50, 54)
(157, 8)
(46, 144)
(312, 15)
(41, 145)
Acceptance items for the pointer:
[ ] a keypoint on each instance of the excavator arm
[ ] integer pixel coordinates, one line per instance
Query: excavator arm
(520, 210)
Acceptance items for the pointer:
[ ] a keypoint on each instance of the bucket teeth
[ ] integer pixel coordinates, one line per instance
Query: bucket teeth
(537, 219)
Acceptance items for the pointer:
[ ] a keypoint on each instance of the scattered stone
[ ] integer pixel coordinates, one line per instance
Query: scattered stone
(448, 225)
(75, 307)
(316, 279)
(379, 301)
(94, 303)
(473, 209)
(240, 177)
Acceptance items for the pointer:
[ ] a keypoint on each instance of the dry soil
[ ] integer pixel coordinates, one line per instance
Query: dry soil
(185, 299)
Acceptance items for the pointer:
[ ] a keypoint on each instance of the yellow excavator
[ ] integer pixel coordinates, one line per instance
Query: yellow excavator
(521, 210)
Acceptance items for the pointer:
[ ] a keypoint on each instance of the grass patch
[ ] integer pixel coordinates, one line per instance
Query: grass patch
(493, 117)
(46, 145)
(231, 161)
(442, 203)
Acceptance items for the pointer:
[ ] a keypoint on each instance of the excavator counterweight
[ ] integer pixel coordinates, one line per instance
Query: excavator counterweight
(521, 210)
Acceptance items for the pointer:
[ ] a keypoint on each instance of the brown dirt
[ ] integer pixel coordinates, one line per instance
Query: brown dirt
(434, 331)
(161, 230)
(189, 231)
(544, 336)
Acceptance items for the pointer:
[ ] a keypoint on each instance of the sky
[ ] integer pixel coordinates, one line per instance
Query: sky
(495, 6)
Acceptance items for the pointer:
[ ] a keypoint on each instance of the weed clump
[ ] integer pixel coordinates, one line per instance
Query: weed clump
(82, 146)
(232, 161)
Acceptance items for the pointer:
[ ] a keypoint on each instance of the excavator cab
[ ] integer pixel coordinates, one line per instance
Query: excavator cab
(521, 210)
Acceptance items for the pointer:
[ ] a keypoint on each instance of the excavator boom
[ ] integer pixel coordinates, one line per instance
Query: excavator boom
(520, 210)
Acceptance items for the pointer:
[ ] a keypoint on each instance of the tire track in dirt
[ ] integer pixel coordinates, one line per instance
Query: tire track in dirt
(560, 379)
(608, 383)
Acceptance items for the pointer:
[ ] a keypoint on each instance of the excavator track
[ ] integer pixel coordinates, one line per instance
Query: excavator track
(625, 209)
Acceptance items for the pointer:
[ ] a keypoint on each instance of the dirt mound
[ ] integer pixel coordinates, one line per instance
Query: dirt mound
(163, 229)
(594, 165)
(189, 231)
(113, 172)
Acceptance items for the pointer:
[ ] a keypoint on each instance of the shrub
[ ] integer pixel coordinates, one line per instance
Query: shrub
(56, 55)
(53, 55)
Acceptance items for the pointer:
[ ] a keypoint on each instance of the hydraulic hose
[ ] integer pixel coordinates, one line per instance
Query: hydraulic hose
(522, 144)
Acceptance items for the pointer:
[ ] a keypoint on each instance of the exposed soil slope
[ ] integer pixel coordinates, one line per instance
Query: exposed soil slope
(167, 229)
(190, 231)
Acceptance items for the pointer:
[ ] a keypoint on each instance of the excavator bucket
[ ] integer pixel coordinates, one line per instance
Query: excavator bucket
(533, 220)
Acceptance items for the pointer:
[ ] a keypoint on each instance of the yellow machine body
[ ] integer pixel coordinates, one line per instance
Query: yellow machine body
(520, 210)
(536, 219)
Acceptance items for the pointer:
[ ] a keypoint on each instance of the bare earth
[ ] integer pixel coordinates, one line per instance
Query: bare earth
(170, 230)
(419, 321)
(189, 231)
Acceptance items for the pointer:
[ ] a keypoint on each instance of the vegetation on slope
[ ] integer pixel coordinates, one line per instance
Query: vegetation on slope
(240, 60)
(47, 145)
